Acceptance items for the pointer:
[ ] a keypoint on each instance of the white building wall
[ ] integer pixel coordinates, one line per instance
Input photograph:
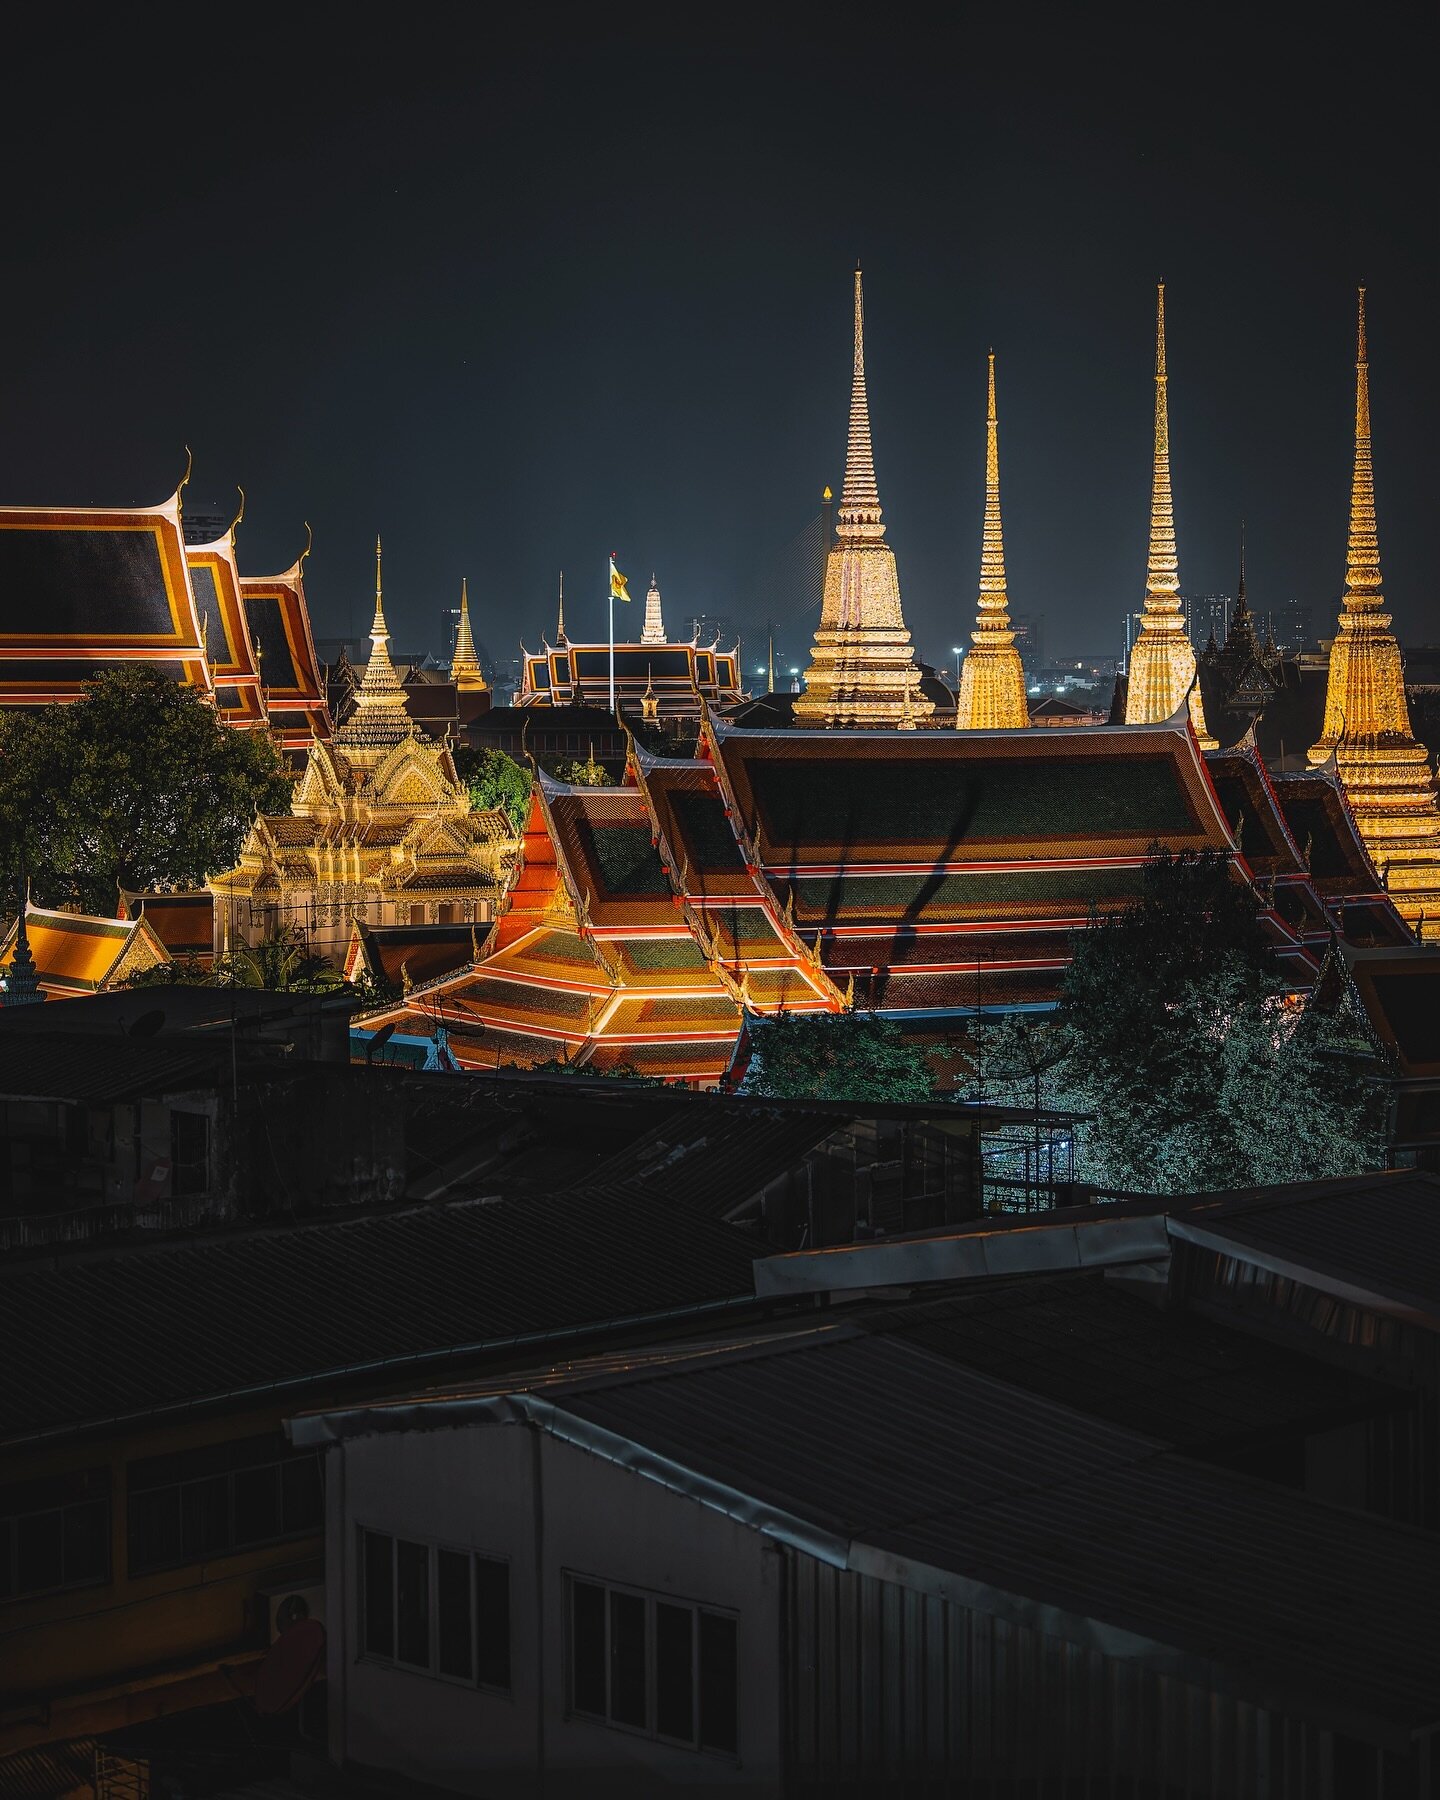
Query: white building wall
(511, 1491)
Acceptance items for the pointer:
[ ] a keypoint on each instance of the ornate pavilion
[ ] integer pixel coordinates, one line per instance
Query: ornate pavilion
(381, 830)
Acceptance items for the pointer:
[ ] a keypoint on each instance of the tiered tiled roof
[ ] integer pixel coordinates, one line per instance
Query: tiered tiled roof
(86, 589)
(950, 871)
(76, 954)
(290, 678)
(215, 581)
(184, 922)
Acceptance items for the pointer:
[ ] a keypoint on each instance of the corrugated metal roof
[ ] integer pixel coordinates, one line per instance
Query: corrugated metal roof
(1371, 1238)
(869, 1449)
(89, 1337)
(79, 1067)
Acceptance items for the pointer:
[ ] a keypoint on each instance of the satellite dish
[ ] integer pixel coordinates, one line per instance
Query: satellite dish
(379, 1040)
(289, 1667)
(148, 1025)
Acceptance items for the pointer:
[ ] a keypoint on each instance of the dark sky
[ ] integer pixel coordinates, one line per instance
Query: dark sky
(519, 300)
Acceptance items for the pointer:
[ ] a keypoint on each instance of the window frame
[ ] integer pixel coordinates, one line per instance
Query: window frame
(96, 1477)
(697, 1609)
(432, 1670)
(138, 1488)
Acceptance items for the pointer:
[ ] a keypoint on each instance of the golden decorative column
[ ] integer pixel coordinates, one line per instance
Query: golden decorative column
(1386, 773)
(1162, 659)
(992, 682)
(465, 670)
(861, 663)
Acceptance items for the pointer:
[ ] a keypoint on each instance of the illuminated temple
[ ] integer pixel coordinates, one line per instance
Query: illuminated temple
(655, 679)
(862, 669)
(926, 877)
(1386, 773)
(1162, 658)
(381, 831)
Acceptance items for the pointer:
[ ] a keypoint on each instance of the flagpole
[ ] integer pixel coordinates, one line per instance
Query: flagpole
(612, 634)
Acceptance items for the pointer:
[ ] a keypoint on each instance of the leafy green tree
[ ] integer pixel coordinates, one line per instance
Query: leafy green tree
(835, 1056)
(584, 774)
(1176, 1033)
(139, 785)
(27, 761)
(495, 782)
(281, 963)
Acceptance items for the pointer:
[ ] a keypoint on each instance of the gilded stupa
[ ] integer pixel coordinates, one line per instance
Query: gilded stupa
(465, 670)
(1386, 773)
(862, 670)
(654, 632)
(1162, 658)
(992, 682)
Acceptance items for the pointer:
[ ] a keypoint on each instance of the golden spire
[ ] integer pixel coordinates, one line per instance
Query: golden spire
(1162, 661)
(770, 666)
(379, 717)
(560, 625)
(1386, 773)
(649, 702)
(992, 681)
(861, 660)
(465, 670)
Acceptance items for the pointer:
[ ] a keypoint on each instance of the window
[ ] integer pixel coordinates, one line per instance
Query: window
(426, 1606)
(189, 1153)
(660, 1666)
(55, 1533)
(226, 1497)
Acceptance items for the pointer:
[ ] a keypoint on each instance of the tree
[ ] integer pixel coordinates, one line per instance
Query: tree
(1200, 1069)
(495, 783)
(583, 774)
(140, 786)
(835, 1056)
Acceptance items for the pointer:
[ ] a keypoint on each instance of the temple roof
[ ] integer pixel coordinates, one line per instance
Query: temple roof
(78, 954)
(1253, 812)
(184, 922)
(1323, 826)
(279, 624)
(215, 581)
(85, 589)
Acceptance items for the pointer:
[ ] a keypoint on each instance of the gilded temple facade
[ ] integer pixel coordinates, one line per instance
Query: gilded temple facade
(1162, 658)
(992, 681)
(381, 831)
(1386, 773)
(862, 669)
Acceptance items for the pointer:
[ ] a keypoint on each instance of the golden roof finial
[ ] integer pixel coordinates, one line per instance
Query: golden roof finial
(560, 627)
(378, 627)
(1362, 556)
(1162, 572)
(770, 665)
(236, 521)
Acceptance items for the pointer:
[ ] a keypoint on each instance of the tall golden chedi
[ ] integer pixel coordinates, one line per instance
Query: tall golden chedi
(1386, 774)
(992, 682)
(1162, 658)
(465, 670)
(862, 670)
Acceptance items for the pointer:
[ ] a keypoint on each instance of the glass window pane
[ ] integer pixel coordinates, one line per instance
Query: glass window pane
(627, 1659)
(587, 1647)
(205, 1517)
(492, 1600)
(257, 1505)
(719, 1684)
(87, 1541)
(154, 1530)
(302, 1496)
(378, 1601)
(453, 1622)
(412, 1603)
(41, 1552)
(675, 1671)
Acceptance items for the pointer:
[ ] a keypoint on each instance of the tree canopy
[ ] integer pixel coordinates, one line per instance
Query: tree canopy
(138, 785)
(495, 783)
(835, 1056)
(1176, 1032)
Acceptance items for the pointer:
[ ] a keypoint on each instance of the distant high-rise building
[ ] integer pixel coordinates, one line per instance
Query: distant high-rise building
(1208, 616)
(1295, 627)
(1029, 629)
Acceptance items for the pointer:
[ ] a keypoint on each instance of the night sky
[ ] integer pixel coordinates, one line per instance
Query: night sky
(519, 301)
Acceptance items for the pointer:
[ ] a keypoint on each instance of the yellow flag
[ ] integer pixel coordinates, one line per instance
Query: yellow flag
(617, 583)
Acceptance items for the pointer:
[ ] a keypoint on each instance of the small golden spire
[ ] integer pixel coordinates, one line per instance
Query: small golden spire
(560, 627)
(770, 667)
(465, 668)
(991, 694)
